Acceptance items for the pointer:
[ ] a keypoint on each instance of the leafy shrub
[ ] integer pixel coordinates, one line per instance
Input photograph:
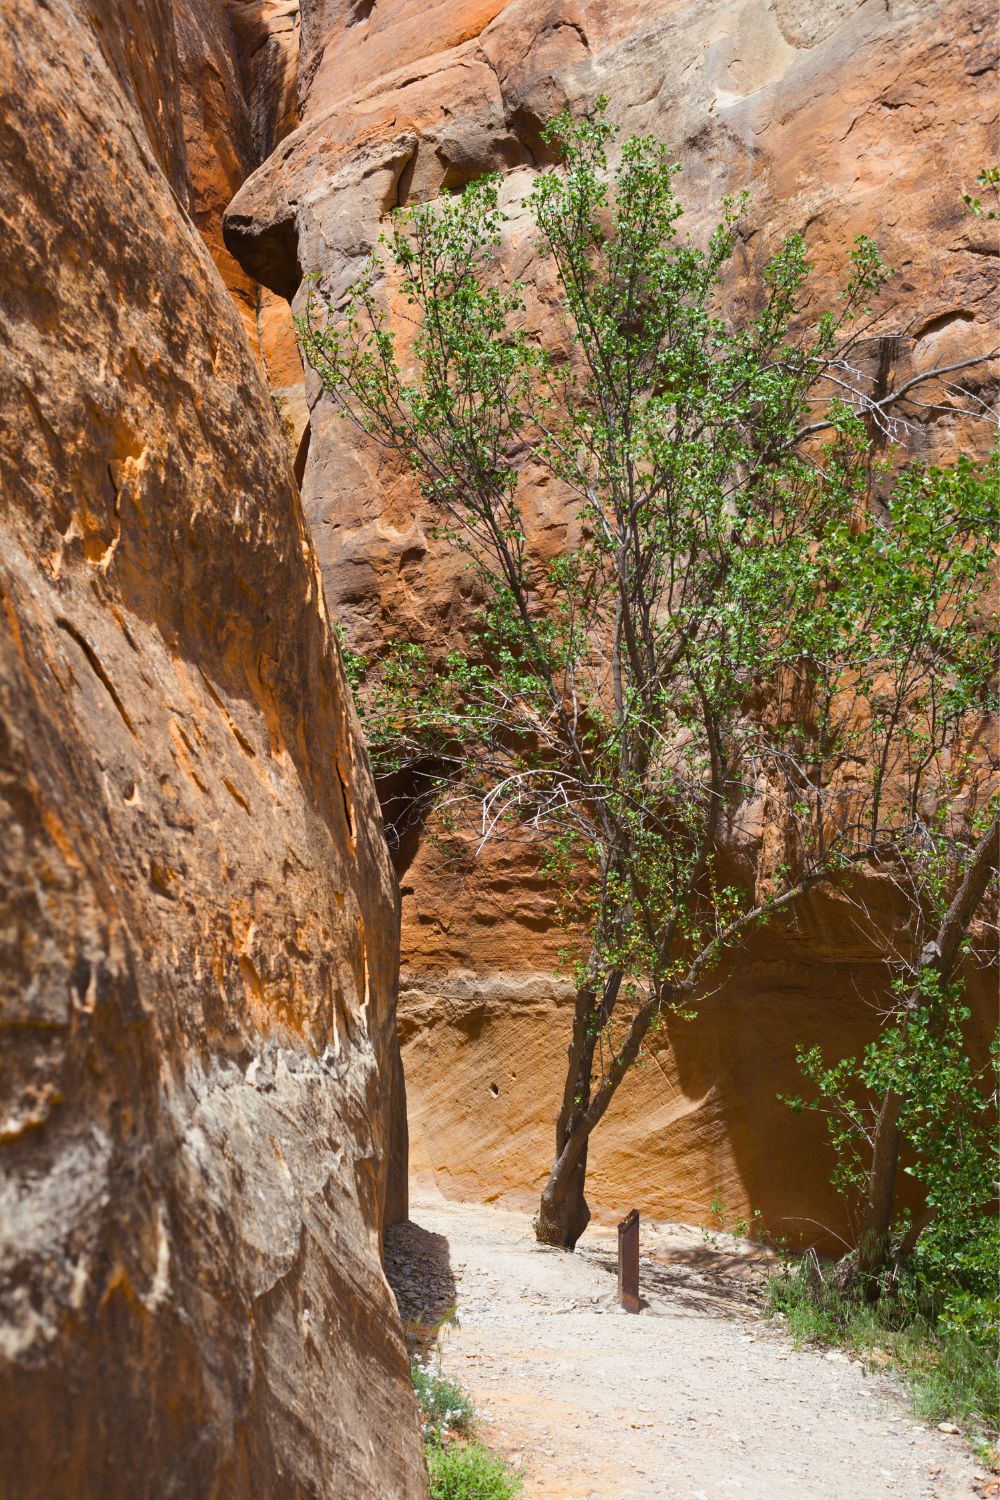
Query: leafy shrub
(459, 1469)
(468, 1471)
(947, 1118)
(444, 1407)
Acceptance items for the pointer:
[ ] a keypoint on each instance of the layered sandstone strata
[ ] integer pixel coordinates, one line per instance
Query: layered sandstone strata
(854, 116)
(198, 919)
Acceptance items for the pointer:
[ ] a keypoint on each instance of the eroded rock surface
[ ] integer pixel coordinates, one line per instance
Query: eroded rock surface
(198, 919)
(854, 116)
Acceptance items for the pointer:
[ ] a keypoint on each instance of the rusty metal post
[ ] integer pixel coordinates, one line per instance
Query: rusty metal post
(628, 1262)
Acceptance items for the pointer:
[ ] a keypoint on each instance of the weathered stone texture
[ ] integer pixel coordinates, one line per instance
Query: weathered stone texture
(218, 137)
(848, 117)
(198, 920)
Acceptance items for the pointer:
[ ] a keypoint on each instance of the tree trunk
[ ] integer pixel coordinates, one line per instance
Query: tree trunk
(563, 1214)
(942, 956)
(876, 1223)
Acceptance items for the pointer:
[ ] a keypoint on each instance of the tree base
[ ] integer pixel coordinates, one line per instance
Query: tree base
(561, 1222)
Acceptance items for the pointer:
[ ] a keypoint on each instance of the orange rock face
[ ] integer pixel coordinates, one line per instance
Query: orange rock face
(198, 919)
(842, 118)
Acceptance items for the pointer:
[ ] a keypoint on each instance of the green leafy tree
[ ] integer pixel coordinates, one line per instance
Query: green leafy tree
(733, 642)
(914, 1086)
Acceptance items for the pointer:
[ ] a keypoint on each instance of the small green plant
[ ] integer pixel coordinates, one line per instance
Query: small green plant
(988, 180)
(468, 1471)
(445, 1409)
(459, 1467)
(732, 1224)
(735, 1224)
(950, 1374)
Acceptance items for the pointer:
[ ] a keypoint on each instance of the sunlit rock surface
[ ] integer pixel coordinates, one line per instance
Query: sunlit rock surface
(840, 118)
(198, 919)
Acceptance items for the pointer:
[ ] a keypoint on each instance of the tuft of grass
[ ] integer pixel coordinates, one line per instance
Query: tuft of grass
(458, 1467)
(954, 1378)
(468, 1471)
(950, 1375)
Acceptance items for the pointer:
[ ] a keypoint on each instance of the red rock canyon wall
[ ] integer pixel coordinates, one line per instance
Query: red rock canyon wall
(198, 919)
(846, 117)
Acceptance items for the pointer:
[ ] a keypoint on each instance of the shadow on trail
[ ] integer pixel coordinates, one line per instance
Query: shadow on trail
(418, 1269)
(700, 1282)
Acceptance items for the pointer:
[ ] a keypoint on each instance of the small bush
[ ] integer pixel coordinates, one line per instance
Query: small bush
(444, 1407)
(458, 1468)
(468, 1471)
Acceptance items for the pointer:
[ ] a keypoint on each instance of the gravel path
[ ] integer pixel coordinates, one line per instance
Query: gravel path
(696, 1398)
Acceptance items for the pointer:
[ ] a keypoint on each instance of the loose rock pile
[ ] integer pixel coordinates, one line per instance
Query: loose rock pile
(418, 1269)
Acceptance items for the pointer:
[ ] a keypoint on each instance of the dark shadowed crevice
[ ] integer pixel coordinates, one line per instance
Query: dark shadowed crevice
(302, 455)
(406, 798)
(405, 180)
(99, 670)
(269, 253)
(358, 13)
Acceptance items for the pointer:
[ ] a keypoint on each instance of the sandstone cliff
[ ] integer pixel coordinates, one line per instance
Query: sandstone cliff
(198, 920)
(847, 117)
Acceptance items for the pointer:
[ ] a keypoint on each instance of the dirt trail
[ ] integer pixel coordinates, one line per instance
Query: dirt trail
(696, 1398)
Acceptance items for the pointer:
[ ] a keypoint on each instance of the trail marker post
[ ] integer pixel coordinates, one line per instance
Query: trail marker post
(628, 1262)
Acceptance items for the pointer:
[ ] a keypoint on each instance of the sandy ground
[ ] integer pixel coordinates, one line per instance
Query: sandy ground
(695, 1398)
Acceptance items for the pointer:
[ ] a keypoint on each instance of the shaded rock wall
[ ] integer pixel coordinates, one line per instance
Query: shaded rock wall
(847, 117)
(198, 920)
(221, 150)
